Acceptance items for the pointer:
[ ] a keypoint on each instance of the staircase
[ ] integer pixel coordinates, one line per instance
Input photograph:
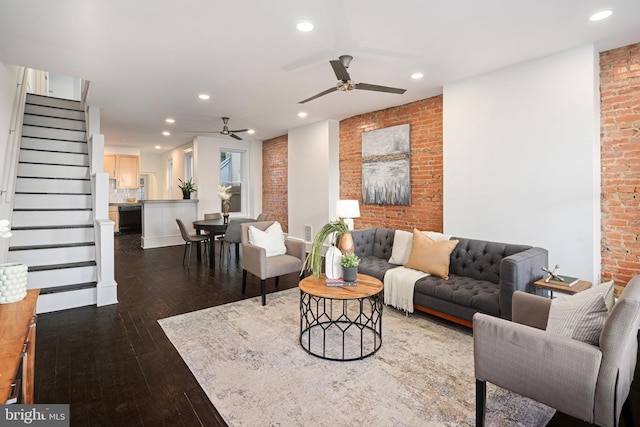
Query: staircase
(52, 224)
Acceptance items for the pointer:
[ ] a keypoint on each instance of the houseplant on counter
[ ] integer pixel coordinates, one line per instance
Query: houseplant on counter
(187, 188)
(332, 229)
(349, 263)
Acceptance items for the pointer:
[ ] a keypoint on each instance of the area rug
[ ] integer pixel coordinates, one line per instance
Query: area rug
(248, 359)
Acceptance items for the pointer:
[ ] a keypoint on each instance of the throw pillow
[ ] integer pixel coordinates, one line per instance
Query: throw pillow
(580, 317)
(402, 241)
(436, 236)
(604, 289)
(429, 256)
(271, 239)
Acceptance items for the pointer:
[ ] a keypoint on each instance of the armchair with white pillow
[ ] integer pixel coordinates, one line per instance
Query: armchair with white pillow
(576, 354)
(266, 253)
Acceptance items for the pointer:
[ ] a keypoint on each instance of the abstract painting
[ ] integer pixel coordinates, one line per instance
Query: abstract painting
(386, 166)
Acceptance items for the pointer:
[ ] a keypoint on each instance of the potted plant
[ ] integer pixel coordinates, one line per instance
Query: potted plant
(333, 229)
(187, 188)
(349, 263)
(225, 194)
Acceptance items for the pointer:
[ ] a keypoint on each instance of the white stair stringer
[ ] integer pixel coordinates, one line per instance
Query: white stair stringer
(53, 220)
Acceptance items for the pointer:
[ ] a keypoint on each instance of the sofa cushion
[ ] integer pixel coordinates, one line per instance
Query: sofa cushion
(429, 256)
(383, 243)
(374, 266)
(477, 294)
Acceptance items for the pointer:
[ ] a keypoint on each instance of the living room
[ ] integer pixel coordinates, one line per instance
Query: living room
(541, 152)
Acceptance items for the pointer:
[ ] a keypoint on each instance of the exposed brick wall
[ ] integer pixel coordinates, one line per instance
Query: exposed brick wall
(620, 168)
(425, 211)
(275, 180)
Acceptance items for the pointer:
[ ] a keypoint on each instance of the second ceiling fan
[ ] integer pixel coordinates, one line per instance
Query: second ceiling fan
(225, 130)
(345, 83)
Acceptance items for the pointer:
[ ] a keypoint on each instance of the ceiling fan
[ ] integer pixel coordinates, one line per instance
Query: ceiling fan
(225, 130)
(345, 83)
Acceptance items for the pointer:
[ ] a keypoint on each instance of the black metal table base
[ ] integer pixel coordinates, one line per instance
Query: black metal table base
(340, 329)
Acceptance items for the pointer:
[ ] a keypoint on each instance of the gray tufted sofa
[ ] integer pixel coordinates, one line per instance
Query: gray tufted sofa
(483, 275)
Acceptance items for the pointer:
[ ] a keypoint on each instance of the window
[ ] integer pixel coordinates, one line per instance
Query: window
(188, 164)
(232, 174)
(170, 178)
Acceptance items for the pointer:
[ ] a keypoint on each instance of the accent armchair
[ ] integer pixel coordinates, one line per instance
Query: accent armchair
(585, 381)
(255, 261)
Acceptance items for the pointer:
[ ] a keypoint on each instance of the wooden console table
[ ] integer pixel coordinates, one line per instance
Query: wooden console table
(18, 339)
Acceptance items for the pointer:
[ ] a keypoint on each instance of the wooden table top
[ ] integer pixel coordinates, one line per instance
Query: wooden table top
(15, 319)
(317, 286)
(578, 287)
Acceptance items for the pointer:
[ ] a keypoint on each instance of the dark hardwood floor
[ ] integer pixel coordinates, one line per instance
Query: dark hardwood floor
(115, 366)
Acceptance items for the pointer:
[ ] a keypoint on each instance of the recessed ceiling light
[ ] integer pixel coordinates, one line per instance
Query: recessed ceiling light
(599, 16)
(302, 114)
(305, 26)
(417, 75)
(166, 133)
(170, 120)
(251, 131)
(157, 147)
(203, 96)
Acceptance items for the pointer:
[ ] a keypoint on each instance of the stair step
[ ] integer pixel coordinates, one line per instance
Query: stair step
(51, 267)
(57, 301)
(54, 255)
(41, 110)
(54, 145)
(53, 122)
(51, 101)
(68, 288)
(34, 170)
(49, 133)
(50, 246)
(52, 201)
(53, 158)
(50, 236)
(67, 274)
(35, 218)
(52, 186)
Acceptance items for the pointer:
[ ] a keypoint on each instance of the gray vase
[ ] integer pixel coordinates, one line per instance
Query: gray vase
(349, 274)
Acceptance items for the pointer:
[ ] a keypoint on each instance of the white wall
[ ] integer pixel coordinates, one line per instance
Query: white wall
(206, 155)
(522, 158)
(314, 176)
(152, 166)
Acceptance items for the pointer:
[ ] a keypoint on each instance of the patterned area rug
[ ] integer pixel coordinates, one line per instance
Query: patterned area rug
(249, 361)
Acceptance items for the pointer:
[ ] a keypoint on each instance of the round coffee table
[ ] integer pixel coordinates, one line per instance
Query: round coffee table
(341, 322)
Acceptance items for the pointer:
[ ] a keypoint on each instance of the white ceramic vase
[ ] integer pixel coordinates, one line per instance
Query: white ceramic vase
(332, 267)
(13, 282)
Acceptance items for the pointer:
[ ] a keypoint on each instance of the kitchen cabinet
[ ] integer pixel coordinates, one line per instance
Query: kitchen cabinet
(125, 169)
(115, 217)
(110, 165)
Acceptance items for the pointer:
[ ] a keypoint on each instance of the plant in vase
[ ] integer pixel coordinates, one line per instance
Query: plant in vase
(349, 263)
(332, 229)
(13, 276)
(187, 188)
(225, 194)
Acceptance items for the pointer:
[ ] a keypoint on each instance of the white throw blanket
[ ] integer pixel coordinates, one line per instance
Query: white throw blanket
(398, 287)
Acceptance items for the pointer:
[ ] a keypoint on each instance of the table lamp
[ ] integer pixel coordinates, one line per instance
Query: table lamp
(347, 210)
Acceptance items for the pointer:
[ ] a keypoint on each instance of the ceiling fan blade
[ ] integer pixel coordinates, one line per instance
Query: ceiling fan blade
(202, 131)
(238, 131)
(233, 135)
(367, 86)
(333, 89)
(340, 70)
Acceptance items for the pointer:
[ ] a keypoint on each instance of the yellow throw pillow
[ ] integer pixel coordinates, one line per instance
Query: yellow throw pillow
(429, 256)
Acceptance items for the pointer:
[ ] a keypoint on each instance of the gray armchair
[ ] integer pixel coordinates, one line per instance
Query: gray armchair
(585, 381)
(255, 261)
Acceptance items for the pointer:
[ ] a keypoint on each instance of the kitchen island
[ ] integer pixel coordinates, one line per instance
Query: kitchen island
(159, 227)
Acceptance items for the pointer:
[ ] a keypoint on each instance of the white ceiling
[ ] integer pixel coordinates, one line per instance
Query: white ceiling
(149, 59)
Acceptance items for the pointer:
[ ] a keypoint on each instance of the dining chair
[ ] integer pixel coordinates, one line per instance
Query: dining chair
(190, 239)
(232, 235)
(215, 215)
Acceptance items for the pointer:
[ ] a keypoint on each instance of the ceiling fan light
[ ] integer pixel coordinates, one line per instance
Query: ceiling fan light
(305, 26)
(599, 16)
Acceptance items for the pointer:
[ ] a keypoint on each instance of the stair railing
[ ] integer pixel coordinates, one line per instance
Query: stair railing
(107, 288)
(11, 156)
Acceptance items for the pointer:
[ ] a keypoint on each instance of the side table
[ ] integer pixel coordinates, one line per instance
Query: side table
(582, 285)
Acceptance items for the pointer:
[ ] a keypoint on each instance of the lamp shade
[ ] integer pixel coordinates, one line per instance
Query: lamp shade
(348, 209)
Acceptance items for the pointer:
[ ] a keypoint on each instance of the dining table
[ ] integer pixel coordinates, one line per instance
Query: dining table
(215, 227)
